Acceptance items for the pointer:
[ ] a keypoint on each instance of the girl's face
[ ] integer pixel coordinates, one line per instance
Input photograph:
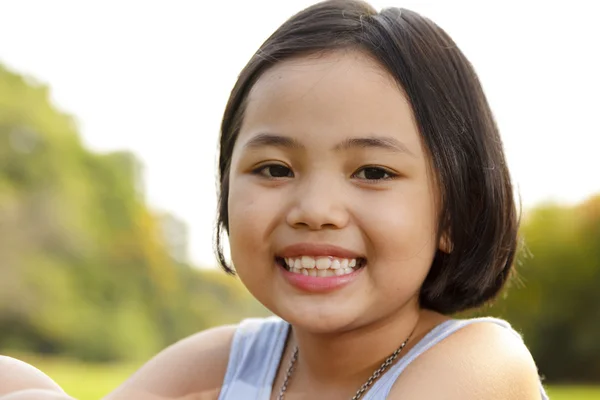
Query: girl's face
(329, 170)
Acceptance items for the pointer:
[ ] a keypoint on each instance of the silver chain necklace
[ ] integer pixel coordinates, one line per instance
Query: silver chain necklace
(360, 392)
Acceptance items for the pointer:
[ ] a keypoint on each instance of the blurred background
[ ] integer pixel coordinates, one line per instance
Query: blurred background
(109, 119)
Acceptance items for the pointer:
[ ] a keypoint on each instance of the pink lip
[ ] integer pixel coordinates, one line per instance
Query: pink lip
(316, 250)
(318, 284)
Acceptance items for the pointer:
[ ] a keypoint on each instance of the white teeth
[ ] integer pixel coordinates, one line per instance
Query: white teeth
(321, 267)
(320, 263)
(323, 263)
(308, 262)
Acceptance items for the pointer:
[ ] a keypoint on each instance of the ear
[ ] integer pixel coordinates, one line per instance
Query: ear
(446, 244)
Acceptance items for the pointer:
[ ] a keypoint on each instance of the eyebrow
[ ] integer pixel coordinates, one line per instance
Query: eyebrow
(268, 139)
(381, 142)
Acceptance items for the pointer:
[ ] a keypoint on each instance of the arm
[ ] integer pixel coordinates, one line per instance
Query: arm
(36, 394)
(21, 381)
(192, 368)
(480, 361)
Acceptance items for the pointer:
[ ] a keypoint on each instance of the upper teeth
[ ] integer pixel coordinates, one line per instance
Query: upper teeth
(308, 262)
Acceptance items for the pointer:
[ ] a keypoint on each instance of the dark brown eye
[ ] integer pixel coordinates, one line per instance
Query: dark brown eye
(275, 171)
(374, 174)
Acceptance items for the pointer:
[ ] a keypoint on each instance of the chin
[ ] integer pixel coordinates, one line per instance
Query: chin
(321, 316)
(321, 325)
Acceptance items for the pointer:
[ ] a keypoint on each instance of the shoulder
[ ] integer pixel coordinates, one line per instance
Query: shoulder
(16, 375)
(195, 365)
(481, 360)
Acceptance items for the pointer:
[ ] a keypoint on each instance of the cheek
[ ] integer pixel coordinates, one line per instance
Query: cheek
(402, 226)
(251, 217)
(243, 218)
(400, 231)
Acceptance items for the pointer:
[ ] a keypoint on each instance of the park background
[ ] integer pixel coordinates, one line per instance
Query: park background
(109, 117)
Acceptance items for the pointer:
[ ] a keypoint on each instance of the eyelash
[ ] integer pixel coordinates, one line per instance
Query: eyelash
(260, 171)
(389, 174)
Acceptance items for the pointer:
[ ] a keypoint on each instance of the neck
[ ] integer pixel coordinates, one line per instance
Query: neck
(341, 359)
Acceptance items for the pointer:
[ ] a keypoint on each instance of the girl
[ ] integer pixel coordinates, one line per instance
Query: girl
(366, 198)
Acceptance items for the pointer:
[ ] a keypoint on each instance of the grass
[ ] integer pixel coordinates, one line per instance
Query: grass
(574, 392)
(92, 381)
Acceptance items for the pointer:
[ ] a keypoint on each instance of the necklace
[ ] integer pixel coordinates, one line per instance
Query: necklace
(360, 392)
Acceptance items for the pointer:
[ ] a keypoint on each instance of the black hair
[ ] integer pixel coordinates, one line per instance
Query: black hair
(477, 212)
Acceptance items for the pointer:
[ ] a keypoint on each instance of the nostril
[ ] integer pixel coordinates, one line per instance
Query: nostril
(317, 216)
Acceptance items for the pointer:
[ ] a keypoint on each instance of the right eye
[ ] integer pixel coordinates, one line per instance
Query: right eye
(274, 171)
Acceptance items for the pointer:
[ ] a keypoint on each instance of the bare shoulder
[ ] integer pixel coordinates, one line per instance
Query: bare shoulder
(16, 375)
(191, 368)
(480, 361)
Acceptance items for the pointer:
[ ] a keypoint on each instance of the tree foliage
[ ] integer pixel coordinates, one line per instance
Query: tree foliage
(84, 268)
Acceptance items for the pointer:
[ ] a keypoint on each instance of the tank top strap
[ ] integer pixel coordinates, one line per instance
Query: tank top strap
(255, 354)
(382, 387)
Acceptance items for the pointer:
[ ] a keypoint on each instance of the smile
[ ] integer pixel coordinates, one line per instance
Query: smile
(326, 266)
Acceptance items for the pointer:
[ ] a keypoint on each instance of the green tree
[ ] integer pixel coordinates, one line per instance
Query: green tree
(84, 268)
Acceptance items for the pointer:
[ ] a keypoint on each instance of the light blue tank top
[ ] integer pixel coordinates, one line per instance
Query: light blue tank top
(258, 345)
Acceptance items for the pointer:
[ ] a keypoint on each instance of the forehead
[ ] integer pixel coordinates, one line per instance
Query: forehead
(329, 96)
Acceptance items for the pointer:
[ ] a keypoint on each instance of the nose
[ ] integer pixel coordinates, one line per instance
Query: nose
(318, 203)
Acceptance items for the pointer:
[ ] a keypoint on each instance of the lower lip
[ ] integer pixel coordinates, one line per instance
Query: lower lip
(319, 284)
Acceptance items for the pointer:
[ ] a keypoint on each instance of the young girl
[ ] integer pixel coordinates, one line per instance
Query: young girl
(365, 194)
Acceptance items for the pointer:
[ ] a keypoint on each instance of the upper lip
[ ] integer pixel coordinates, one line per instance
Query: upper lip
(316, 250)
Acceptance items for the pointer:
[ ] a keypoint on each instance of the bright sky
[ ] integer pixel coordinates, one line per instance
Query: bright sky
(154, 76)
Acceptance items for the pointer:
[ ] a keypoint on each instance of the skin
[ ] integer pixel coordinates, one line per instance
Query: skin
(21, 381)
(319, 192)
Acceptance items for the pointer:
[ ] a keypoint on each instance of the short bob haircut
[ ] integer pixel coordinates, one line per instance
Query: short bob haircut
(477, 211)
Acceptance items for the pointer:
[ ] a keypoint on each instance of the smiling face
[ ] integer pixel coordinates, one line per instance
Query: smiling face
(329, 168)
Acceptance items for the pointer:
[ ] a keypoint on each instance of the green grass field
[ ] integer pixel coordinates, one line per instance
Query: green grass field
(92, 381)
(574, 392)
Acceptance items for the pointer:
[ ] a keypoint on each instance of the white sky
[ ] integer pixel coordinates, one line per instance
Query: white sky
(153, 77)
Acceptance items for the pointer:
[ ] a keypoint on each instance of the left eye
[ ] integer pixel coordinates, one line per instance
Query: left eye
(374, 174)
(274, 171)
